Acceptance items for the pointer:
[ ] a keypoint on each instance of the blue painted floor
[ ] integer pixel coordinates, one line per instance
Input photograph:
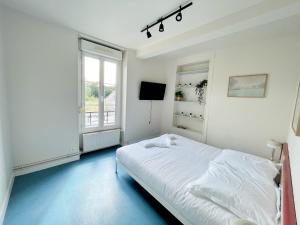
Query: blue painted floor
(85, 192)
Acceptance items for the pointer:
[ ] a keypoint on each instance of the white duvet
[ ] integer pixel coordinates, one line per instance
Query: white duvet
(168, 171)
(241, 183)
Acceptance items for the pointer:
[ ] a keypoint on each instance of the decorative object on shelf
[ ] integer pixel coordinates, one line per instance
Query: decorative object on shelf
(189, 115)
(179, 96)
(296, 117)
(250, 86)
(178, 18)
(200, 91)
(189, 85)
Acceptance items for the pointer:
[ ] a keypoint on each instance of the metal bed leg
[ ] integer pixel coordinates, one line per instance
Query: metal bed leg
(116, 168)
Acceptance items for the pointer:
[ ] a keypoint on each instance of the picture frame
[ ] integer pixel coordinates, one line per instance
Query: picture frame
(247, 86)
(296, 116)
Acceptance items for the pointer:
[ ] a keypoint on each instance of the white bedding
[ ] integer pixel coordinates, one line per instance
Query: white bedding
(241, 183)
(168, 171)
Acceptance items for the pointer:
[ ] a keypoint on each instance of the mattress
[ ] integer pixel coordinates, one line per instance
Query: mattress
(168, 171)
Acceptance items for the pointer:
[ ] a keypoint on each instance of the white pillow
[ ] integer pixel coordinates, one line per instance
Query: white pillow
(246, 197)
(253, 166)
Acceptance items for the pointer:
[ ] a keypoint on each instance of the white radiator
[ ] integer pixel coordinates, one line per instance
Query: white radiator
(102, 139)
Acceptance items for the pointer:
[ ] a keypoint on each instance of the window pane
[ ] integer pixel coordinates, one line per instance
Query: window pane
(110, 78)
(91, 74)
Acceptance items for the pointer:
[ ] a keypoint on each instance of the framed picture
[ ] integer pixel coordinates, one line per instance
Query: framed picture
(248, 86)
(296, 122)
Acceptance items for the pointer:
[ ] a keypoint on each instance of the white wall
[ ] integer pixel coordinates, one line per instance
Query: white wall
(136, 124)
(5, 150)
(242, 123)
(294, 149)
(253, 121)
(42, 75)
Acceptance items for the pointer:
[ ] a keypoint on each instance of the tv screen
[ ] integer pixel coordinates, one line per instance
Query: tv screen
(152, 91)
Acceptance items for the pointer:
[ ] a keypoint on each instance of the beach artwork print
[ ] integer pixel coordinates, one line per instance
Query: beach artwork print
(250, 86)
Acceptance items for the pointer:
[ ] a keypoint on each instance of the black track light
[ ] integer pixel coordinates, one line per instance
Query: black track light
(161, 27)
(179, 15)
(148, 33)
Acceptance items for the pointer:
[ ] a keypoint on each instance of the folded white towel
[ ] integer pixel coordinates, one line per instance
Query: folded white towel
(171, 136)
(164, 141)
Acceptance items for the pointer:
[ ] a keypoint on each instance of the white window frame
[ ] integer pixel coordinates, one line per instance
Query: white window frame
(101, 126)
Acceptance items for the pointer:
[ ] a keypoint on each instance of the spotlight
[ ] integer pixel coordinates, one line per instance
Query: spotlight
(160, 20)
(179, 15)
(161, 27)
(148, 33)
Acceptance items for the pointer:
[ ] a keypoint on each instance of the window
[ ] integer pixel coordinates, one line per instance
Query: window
(101, 93)
(110, 98)
(91, 91)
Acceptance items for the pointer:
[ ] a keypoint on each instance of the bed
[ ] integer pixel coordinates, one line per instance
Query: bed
(166, 172)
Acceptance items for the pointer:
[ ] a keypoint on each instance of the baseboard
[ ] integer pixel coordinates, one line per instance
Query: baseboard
(30, 168)
(6, 199)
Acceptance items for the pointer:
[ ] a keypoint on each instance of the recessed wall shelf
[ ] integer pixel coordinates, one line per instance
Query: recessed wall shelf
(189, 86)
(202, 103)
(192, 72)
(190, 130)
(189, 117)
(187, 99)
(186, 85)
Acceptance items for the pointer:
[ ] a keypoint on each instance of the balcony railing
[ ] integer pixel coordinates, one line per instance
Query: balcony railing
(92, 118)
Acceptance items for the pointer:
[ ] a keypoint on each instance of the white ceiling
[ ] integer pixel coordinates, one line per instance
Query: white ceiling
(286, 28)
(120, 21)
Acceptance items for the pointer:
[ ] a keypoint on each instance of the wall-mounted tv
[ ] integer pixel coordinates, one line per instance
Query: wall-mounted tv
(152, 91)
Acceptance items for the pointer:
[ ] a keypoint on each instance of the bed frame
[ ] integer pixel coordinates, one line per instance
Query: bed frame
(159, 198)
(288, 212)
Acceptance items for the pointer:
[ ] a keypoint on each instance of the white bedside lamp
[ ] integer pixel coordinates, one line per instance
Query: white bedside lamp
(274, 145)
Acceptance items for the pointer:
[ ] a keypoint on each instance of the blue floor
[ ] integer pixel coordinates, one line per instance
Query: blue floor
(84, 192)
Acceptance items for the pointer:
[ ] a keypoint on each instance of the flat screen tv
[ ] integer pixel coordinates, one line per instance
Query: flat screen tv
(152, 91)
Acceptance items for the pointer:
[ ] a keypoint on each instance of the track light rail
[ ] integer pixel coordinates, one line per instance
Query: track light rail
(182, 7)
